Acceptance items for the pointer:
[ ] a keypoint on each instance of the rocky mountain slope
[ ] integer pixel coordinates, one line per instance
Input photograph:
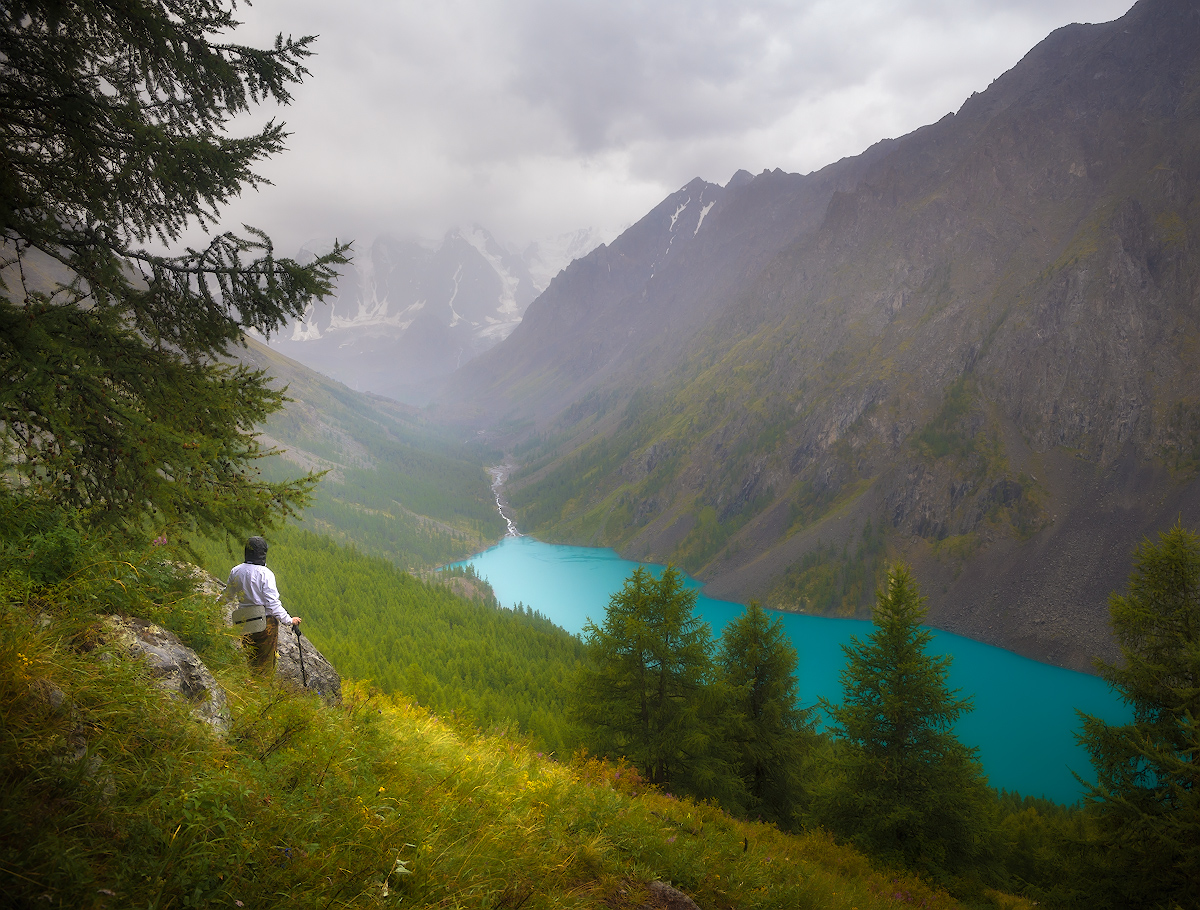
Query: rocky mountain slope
(406, 312)
(976, 347)
(635, 303)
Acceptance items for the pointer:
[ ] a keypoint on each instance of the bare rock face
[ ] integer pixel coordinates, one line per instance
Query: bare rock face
(301, 665)
(176, 668)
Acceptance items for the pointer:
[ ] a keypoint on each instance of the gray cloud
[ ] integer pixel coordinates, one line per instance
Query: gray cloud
(534, 117)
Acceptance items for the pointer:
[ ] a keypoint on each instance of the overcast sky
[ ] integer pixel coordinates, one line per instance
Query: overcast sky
(537, 117)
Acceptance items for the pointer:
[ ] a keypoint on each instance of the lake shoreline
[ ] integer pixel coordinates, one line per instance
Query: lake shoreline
(1025, 718)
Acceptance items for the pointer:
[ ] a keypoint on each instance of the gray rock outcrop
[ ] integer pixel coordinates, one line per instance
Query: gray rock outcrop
(316, 674)
(175, 667)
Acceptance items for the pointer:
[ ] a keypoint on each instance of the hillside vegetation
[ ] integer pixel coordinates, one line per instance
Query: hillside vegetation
(444, 642)
(113, 795)
(395, 485)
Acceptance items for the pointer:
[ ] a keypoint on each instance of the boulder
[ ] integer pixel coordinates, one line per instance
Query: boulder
(668, 897)
(317, 673)
(176, 668)
(631, 895)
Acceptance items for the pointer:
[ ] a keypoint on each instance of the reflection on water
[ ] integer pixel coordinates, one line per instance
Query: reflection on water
(1024, 721)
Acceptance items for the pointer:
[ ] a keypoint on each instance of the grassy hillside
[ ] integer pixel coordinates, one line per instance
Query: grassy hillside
(112, 795)
(455, 654)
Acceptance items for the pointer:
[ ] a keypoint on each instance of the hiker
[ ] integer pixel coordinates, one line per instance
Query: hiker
(260, 611)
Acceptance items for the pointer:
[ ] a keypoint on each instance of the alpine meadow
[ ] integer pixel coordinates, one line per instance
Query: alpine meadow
(952, 382)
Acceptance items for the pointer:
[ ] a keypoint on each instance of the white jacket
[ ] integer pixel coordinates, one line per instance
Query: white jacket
(251, 584)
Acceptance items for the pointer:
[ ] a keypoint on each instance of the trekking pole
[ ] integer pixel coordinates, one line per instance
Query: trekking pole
(303, 672)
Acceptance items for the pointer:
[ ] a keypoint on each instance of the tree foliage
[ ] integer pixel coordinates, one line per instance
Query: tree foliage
(768, 729)
(641, 691)
(909, 791)
(1147, 794)
(114, 394)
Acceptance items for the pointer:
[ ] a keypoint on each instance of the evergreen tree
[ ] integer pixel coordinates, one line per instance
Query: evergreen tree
(908, 790)
(116, 395)
(767, 728)
(1147, 794)
(641, 692)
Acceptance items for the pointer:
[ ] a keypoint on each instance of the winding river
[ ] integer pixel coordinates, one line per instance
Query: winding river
(499, 474)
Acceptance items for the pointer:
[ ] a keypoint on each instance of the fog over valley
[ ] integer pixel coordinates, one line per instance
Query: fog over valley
(600, 455)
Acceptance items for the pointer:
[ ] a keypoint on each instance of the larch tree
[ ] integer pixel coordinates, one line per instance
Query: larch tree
(118, 397)
(908, 790)
(764, 723)
(641, 691)
(1146, 798)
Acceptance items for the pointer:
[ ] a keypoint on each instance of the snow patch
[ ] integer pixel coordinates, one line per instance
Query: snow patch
(704, 211)
(497, 331)
(486, 246)
(306, 328)
(455, 319)
(305, 331)
(679, 211)
(546, 258)
(376, 294)
(371, 311)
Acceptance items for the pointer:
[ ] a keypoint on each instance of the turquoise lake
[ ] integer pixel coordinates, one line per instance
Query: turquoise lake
(1024, 722)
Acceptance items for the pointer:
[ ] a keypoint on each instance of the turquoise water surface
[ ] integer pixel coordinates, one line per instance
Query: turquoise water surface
(1024, 721)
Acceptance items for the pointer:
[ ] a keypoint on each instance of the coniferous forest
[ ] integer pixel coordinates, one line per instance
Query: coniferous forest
(479, 756)
(717, 720)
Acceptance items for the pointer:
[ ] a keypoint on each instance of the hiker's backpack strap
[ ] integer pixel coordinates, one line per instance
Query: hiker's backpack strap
(250, 618)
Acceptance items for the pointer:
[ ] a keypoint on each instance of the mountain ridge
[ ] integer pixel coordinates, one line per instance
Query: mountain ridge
(971, 347)
(405, 313)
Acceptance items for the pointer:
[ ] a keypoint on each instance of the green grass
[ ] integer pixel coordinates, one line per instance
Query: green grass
(374, 803)
(496, 667)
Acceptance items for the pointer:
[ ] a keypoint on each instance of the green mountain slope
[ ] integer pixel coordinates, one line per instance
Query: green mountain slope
(444, 642)
(396, 487)
(982, 356)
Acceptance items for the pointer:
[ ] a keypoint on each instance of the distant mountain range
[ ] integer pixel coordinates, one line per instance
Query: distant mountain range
(976, 348)
(405, 312)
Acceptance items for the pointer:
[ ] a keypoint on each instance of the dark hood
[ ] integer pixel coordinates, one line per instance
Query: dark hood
(256, 551)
